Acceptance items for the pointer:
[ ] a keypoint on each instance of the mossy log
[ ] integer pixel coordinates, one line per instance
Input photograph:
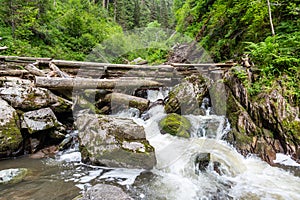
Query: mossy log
(86, 83)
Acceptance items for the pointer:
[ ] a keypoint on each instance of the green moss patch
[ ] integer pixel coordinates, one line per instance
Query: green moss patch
(176, 125)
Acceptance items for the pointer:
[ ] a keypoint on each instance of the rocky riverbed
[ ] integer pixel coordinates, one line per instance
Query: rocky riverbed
(40, 122)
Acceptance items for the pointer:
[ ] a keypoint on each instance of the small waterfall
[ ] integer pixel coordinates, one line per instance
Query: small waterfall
(176, 176)
(236, 178)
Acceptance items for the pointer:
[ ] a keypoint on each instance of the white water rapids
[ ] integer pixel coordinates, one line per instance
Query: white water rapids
(240, 178)
(175, 177)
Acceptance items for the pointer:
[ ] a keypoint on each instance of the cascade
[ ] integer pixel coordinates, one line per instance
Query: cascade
(177, 176)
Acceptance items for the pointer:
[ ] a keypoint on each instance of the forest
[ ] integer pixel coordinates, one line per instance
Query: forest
(70, 29)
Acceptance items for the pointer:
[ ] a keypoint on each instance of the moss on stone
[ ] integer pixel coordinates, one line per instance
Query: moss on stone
(175, 124)
(293, 130)
(10, 135)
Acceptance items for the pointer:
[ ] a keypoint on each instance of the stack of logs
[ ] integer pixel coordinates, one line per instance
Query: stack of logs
(62, 75)
(43, 67)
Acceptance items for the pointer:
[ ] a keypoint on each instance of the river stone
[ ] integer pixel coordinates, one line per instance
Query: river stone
(202, 162)
(28, 98)
(114, 142)
(39, 120)
(10, 176)
(176, 125)
(10, 135)
(105, 192)
(186, 97)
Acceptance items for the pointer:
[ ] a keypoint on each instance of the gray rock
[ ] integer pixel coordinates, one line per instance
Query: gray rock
(10, 176)
(114, 142)
(186, 97)
(27, 98)
(202, 162)
(10, 135)
(39, 120)
(105, 192)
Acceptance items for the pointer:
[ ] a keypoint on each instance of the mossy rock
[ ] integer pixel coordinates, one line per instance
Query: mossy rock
(11, 176)
(176, 125)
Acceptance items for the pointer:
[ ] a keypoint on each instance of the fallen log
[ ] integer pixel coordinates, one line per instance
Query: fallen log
(34, 70)
(127, 100)
(197, 65)
(13, 72)
(10, 79)
(86, 83)
(57, 71)
(24, 59)
(95, 65)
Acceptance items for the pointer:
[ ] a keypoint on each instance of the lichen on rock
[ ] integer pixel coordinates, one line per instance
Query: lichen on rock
(114, 142)
(10, 134)
(176, 125)
(186, 97)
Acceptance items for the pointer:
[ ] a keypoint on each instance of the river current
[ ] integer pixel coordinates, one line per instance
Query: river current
(175, 177)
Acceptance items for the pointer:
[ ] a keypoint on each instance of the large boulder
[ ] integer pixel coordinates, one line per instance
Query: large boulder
(186, 97)
(176, 125)
(114, 142)
(10, 135)
(105, 192)
(26, 97)
(39, 120)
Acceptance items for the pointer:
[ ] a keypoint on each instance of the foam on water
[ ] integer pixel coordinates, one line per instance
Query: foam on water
(241, 177)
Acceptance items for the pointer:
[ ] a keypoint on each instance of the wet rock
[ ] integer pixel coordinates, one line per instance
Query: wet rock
(176, 125)
(10, 135)
(186, 97)
(202, 162)
(28, 98)
(39, 120)
(104, 192)
(11, 176)
(266, 126)
(45, 153)
(114, 142)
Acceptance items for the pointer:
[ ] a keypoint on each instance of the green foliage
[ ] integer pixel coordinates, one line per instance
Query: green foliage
(223, 27)
(132, 14)
(65, 30)
(151, 43)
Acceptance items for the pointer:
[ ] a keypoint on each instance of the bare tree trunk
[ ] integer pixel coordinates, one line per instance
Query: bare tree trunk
(85, 83)
(115, 10)
(270, 16)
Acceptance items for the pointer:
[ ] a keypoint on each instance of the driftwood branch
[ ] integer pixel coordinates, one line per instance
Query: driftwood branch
(85, 83)
(57, 71)
(34, 70)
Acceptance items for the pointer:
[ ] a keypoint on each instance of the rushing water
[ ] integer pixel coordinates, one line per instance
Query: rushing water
(175, 175)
